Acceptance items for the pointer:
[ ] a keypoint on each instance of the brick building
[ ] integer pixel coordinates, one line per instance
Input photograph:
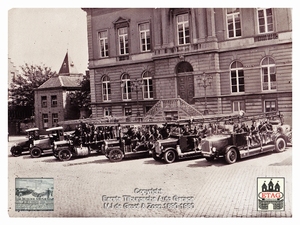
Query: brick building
(52, 102)
(218, 60)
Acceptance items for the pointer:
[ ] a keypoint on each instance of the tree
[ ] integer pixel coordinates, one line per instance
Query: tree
(82, 98)
(21, 91)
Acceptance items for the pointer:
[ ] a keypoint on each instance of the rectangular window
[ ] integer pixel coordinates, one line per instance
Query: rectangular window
(148, 88)
(270, 105)
(44, 101)
(147, 108)
(54, 119)
(107, 111)
(106, 91)
(145, 37)
(123, 40)
(238, 106)
(53, 100)
(127, 111)
(265, 20)
(183, 29)
(237, 81)
(45, 120)
(126, 90)
(103, 43)
(233, 23)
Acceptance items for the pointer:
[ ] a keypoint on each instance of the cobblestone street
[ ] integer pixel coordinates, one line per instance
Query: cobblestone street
(214, 189)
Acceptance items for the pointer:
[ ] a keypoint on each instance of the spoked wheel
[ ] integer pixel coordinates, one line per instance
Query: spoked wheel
(231, 156)
(115, 155)
(280, 144)
(16, 151)
(64, 154)
(170, 156)
(35, 152)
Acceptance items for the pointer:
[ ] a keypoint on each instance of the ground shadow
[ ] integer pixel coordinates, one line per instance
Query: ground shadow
(204, 163)
(42, 156)
(162, 162)
(221, 161)
(285, 162)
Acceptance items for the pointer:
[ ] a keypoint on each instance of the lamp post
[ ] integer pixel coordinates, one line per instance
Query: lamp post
(205, 81)
(137, 85)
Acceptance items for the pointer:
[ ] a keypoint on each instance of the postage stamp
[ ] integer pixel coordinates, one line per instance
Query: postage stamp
(270, 193)
(34, 194)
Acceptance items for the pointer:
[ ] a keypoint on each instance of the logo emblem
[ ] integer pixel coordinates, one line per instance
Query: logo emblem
(270, 193)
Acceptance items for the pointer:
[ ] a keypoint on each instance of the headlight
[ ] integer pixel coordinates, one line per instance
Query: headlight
(213, 149)
(55, 147)
(161, 147)
(30, 146)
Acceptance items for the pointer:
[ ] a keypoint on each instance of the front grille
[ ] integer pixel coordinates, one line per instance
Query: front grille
(157, 147)
(205, 146)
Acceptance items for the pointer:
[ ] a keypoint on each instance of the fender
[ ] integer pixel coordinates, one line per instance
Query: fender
(169, 148)
(232, 146)
(278, 135)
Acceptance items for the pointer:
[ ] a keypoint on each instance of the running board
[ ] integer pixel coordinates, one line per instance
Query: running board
(256, 151)
(190, 154)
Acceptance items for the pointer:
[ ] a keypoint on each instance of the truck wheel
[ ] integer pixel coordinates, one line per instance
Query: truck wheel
(170, 156)
(280, 145)
(16, 151)
(35, 152)
(64, 155)
(115, 155)
(231, 156)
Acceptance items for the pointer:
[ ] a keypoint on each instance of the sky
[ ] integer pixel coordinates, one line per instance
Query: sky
(42, 36)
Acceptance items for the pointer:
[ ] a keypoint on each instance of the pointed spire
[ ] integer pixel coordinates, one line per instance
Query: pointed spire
(64, 69)
(67, 68)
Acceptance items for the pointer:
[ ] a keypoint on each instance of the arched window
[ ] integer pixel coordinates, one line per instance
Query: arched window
(106, 90)
(268, 72)
(183, 67)
(126, 88)
(147, 85)
(237, 77)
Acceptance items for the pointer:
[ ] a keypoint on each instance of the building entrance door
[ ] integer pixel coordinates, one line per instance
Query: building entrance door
(185, 87)
(185, 81)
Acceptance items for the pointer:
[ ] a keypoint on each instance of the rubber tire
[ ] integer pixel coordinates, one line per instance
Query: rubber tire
(115, 155)
(64, 155)
(169, 156)
(16, 151)
(231, 156)
(280, 144)
(35, 152)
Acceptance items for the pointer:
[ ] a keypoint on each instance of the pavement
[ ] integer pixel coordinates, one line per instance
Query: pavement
(89, 186)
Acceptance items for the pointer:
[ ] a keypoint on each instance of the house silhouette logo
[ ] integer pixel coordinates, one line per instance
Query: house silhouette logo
(270, 193)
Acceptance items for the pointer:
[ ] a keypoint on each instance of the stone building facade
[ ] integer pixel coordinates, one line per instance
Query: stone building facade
(52, 99)
(217, 59)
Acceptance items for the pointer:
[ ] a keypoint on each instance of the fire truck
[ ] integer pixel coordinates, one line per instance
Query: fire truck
(228, 136)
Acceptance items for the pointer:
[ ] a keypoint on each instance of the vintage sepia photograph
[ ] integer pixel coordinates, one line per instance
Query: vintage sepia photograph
(146, 112)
